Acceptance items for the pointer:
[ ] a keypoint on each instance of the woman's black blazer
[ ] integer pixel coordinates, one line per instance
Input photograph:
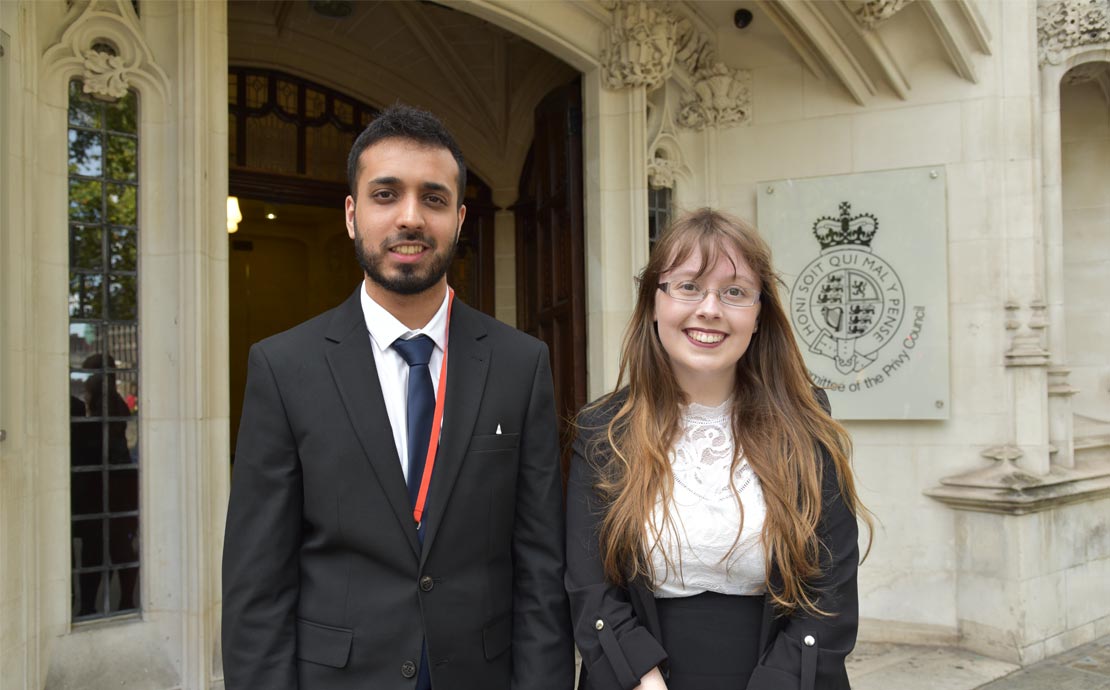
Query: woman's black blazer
(617, 628)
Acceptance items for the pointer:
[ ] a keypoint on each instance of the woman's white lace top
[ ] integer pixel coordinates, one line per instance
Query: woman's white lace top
(705, 514)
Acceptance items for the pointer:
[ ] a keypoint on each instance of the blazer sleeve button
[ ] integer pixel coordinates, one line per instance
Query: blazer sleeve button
(408, 669)
(599, 624)
(809, 640)
(427, 583)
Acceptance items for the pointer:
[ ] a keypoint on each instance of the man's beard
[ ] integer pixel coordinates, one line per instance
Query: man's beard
(409, 279)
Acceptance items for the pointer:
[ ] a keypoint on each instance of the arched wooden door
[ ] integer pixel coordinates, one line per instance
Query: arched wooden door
(550, 249)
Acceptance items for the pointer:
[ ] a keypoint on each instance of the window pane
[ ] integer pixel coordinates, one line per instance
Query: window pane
(85, 152)
(85, 440)
(125, 589)
(87, 491)
(121, 204)
(123, 491)
(122, 158)
(88, 598)
(122, 115)
(122, 341)
(123, 249)
(132, 436)
(84, 111)
(86, 247)
(122, 298)
(85, 201)
(84, 342)
(86, 300)
(123, 540)
(88, 543)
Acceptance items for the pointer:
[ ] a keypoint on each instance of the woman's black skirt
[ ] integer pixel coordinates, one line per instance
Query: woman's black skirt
(712, 640)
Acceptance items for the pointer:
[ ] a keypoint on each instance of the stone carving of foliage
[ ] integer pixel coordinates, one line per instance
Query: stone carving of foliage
(694, 50)
(1069, 24)
(639, 47)
(105, 75)
(874, 12)
(721, 96)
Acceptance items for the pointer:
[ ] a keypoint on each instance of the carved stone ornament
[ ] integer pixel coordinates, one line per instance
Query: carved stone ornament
(874, 12)
(694, 50)
(721, 96)
(661, 172)
(105, 75)
(105, 46)
(1067, 24)
(639, 47)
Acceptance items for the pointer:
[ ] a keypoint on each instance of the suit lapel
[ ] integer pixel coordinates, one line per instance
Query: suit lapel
(351, 359)
(467, 366)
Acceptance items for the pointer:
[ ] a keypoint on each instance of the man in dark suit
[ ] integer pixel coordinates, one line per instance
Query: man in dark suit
(354, 557)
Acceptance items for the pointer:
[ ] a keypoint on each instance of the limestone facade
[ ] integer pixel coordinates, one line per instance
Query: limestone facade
(991, 525)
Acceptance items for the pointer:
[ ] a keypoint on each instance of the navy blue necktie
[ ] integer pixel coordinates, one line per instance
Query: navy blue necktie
(420, 405)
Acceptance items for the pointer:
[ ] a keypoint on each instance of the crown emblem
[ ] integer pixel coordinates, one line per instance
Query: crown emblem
(847, 229)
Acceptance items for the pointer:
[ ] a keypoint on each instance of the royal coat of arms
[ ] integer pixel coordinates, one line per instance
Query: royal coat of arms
(848, 302)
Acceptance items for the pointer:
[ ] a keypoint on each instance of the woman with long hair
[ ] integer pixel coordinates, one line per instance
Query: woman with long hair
(711, 511)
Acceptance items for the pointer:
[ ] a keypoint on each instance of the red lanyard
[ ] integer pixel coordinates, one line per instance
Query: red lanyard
(437, 419)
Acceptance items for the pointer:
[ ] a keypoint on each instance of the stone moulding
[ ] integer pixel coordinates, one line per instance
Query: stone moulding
(1005, 488)
(1025, 348)
(1066, 24)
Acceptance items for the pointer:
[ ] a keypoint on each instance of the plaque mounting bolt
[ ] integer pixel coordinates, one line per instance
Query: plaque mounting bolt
(940, 404)
(933, 174)
(770, 189)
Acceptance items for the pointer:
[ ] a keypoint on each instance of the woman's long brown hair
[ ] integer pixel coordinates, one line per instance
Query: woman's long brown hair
(776, 420)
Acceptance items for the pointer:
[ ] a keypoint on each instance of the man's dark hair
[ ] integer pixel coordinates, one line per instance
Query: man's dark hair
(400, 121)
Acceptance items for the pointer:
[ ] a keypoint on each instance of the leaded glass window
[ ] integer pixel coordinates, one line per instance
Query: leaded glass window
(659, 213)
(104, 354)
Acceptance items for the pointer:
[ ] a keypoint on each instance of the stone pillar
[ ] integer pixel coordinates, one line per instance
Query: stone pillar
(504, 255)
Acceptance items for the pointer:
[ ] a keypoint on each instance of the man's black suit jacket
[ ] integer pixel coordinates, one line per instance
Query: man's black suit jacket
(325, 583)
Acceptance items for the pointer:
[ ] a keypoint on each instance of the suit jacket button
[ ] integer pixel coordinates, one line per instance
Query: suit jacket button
(408, 669)
(599, 624)
(426, 583)
(809, 640)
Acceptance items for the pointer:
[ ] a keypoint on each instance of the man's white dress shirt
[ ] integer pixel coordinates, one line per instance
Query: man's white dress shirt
(393, 372)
